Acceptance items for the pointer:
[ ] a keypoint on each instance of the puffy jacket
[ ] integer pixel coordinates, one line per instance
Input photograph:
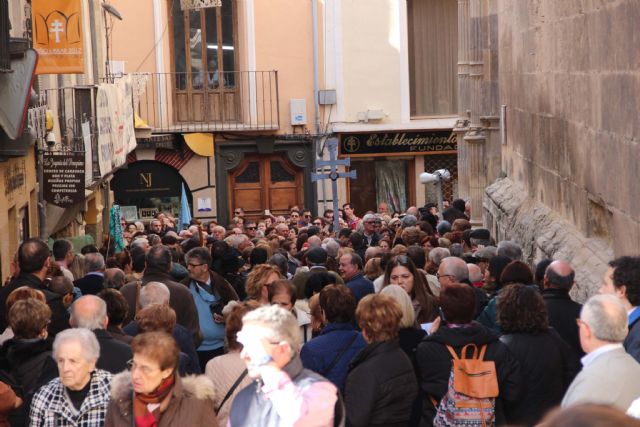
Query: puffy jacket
(381, 386)
(547, 365)
(191, 403)
(434, 363)
(30, 364)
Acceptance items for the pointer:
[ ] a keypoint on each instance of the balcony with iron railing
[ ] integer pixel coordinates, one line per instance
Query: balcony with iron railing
(207, 102)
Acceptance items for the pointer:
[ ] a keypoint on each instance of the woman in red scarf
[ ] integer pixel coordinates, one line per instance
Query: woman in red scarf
(152, 394)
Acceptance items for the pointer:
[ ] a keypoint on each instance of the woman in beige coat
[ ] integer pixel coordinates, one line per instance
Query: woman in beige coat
(152, 394)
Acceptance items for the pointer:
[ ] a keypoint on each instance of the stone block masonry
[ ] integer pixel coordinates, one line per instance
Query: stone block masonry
(511, 215)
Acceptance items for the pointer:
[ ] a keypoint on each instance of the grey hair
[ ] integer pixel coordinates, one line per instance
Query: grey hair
(402, 298)
(93, 261)
(332, 247)
(219, 228)
(87, 340)
(235, 240)
(606, 317)
(455, 267)
(369, 216)
(436, 255)
(280, 322)
(114, 278)
(93, 320)
(154, 293)
(139, 242)
(510, 249)
(456, 250)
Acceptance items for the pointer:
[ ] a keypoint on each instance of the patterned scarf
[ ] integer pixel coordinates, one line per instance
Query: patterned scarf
(141, 414)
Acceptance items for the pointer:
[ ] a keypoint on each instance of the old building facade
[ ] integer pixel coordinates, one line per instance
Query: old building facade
(569, 156)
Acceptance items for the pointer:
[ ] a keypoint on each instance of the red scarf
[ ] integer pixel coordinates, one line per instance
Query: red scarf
(141, 414)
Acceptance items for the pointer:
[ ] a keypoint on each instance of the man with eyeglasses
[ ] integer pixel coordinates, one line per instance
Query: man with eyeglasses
(371, 224)
(239, 212)
(210, 292)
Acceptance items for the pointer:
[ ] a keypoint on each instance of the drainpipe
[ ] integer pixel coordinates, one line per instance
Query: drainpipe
(316, 89)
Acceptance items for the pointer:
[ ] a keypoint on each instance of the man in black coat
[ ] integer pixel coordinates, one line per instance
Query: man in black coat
(34, 261)
(90, 312)
(93, 281)
(158, 269)
(562, 310)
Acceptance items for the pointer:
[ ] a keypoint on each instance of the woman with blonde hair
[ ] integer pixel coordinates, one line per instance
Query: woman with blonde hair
(258, 281)
(410, 335)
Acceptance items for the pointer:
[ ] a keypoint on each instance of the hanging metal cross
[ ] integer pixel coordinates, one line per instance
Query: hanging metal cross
(333, 175)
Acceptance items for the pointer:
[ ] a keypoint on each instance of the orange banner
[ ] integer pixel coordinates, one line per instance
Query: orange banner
(58, 38)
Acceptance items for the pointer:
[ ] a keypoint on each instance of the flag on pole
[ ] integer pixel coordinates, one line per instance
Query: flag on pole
(115, 229)
(185, 212)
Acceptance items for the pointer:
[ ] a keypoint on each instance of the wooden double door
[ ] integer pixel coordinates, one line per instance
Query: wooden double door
(265, 182)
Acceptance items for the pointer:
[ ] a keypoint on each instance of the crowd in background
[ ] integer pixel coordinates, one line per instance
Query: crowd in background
(283, 321)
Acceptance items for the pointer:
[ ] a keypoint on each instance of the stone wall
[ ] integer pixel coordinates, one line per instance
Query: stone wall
(543, 233)
(569, 73)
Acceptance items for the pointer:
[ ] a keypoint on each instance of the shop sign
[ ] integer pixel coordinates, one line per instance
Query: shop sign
(14, 178)
(58, 36)
(64, 178)
(143, 180)
(390, 143)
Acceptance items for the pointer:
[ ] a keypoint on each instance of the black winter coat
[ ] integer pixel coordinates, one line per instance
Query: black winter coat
(114, 354)
(547, 365)
(434, 363)
(380, 387)
(30, 364)
(563, 312)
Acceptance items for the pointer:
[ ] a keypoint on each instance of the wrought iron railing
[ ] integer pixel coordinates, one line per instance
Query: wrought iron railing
(205, 102)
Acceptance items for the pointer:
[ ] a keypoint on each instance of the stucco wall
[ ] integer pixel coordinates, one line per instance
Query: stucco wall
(569, 76)
(371, 47)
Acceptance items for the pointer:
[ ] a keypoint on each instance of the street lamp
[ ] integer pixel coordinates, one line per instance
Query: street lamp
(437, 177)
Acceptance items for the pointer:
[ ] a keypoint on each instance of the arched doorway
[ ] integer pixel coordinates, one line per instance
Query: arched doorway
(148, 186)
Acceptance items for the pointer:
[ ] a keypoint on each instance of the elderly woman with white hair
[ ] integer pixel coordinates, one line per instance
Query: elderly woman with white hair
(80, 395)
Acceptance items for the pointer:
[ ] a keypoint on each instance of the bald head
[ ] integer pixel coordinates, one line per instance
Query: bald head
(89, 312)
(114, 278)
(559, 275)
(454, 267)
(475, 273)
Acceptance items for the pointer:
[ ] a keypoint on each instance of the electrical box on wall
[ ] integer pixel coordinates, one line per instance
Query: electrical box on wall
(298, 109)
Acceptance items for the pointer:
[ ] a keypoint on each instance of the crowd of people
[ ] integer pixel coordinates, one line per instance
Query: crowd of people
(395, 319)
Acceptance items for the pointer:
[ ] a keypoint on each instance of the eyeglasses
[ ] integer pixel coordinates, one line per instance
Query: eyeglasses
(397, 224)
(238, 212)
(438, 275)
(250, 228)
(146, 370)
(194, 265)
(307, 216)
